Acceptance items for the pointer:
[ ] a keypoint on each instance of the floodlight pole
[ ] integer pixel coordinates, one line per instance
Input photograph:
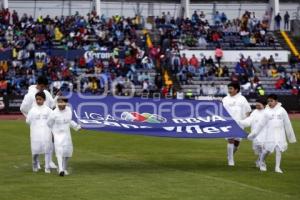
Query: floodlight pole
(185, 6)
(274, 4)
(5, 4)
(98, 7)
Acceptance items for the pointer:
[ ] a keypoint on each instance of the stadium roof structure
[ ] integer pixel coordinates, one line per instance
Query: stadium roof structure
(177, 1)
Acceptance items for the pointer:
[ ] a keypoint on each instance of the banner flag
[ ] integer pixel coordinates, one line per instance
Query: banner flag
(155, 117)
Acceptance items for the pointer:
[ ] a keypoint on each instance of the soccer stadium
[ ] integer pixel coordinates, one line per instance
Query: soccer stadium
(144, 100)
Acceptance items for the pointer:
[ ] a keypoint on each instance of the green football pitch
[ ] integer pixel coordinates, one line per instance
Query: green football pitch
(111, 166)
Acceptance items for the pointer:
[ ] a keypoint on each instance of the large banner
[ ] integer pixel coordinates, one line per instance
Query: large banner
(155, 117)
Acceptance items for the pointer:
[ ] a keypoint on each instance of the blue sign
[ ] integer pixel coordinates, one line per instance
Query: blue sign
(155, 117)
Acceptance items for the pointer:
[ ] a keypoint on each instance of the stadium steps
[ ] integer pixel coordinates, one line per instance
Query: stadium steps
(288, 45)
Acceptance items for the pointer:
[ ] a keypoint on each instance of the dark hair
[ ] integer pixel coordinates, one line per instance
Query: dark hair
(273, 96)
(262, 101)
(235, 86)
(42, 80)
(41, 94)
(64, 99)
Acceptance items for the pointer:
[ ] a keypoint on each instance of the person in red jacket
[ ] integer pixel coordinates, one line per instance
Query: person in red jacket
(194, 61)
(279, 83)
(184, 61)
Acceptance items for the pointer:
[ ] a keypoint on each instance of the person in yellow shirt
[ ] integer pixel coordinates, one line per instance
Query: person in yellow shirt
(58, 34)
(40, 19)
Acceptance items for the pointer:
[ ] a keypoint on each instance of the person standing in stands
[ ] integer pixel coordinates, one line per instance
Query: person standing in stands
(277, 21)
(219, 55)
(286, 21)
(29, 102)
(238, 108)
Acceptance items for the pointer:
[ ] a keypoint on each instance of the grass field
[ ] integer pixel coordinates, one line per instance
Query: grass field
(114, 166)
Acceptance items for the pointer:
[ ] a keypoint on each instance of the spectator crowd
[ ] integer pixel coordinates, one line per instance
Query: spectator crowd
(132, 56)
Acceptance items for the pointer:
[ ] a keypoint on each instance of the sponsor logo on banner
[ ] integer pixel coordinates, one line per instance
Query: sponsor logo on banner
(152, 117)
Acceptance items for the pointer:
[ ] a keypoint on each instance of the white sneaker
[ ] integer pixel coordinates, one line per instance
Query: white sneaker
(35, 169)
(257, 164)
(53, 165)
(230, 162)
(263, 167)
(66, 173)
(39, 166)
(278, 170)
(47, 171)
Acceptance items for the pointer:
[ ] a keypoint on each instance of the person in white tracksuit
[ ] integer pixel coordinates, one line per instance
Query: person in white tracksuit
(60, 122)
(40, 134)
(29, 101)
(253, 121)
(238, 108)
(278, 128)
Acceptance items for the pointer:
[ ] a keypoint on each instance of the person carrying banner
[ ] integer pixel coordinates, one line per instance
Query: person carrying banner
(238, 107)
(253, 121)
(60, 122)
(40, 134)
(29, 102)
(278, 127)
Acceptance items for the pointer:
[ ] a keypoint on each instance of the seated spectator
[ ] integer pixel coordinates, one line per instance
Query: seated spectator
(274, 72)
(252, 40)
(225, 71)
(271, 61)
(58, 34)
(245, 37)
(210, 61)
(218, 55)
(202, 72)
(184, 61)
(264, 61)
(234, 78)
(202, 42)
(281, 69)
(194, 61)
(279, 83)
(239, 69)
(295, 90)
(223, 18)
(217, 18)
(3, 86)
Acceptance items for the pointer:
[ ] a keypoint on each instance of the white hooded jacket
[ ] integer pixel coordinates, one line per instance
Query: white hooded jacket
(278, 128)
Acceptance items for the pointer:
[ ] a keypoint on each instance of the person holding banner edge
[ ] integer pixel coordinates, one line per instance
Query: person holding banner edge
(253, 121)
(29, 102)
(60, 121)
(239, 108)
(279, 132)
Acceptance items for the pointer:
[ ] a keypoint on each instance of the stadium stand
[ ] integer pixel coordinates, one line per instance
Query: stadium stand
(119, 50)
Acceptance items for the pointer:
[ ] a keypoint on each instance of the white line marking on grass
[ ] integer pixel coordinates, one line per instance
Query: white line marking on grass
(205, 176)
(243, 185)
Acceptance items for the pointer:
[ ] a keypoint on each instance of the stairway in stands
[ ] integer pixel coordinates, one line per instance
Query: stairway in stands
(295, 42)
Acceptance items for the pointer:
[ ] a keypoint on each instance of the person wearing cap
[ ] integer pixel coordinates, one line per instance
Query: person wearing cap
(253, 121)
